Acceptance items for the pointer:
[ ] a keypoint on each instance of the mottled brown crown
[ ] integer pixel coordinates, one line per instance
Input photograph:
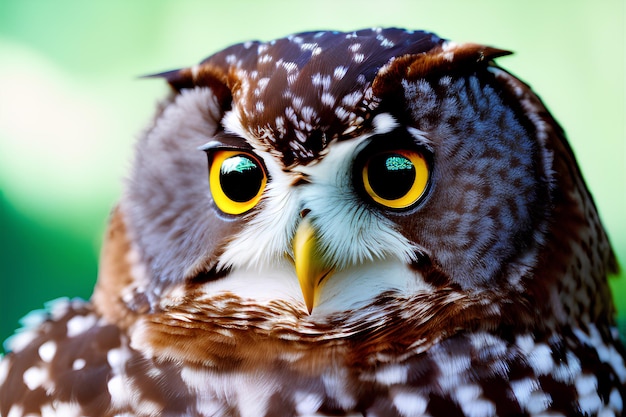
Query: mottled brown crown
(298, 93)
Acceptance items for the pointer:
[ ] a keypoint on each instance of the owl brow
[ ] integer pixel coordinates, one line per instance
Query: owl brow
(225, 141)
(401, 136)
(420, 138)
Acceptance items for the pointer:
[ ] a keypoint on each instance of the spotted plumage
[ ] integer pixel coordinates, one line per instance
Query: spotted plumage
(377, 223)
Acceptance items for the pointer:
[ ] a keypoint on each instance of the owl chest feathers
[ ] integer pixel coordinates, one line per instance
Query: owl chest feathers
(495, 373)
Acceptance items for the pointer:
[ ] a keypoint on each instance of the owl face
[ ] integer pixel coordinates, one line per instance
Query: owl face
(318, 220)
(328, 171)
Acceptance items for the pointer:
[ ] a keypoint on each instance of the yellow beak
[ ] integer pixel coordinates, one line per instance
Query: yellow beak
(310, 267)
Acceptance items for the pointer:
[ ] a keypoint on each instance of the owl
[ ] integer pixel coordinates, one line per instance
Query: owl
(371, 223)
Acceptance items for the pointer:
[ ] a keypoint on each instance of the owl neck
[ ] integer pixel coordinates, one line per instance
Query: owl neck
(116, 296)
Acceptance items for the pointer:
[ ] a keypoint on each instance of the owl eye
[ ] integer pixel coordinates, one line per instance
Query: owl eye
(237, 181)
(396, 179)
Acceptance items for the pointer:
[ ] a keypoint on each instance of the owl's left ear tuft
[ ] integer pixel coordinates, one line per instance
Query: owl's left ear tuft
(202, 75)
(442, 59)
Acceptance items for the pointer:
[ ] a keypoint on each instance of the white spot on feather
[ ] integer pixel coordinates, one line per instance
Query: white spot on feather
(291, 356)
(525, 343)
(451, 368)
(342, 114)
(251, 401)
(339, 72)
(58, 308)
(384, 123)
(586, 384)
(21, 339)
(78, 364)
(324, 81)
(47, 351)
(568, 370)
(290, 66)
(523, 388)
(120, 394)
(308, 114)
(80, 324)
(590, 404)
(473, 405)
(194, 378)
(335, 386)
(616, 401)
(16, 411)
(58, 408)
(195, 70)
(328, 99)
(309, 46)
(280, 125)
(409, 404)
(307, 403)
(35, 376)
(538, 402)
(349, 130)
(392, 374)
(150, 407)
(449, 45)
(384, 42)
(540, 359)
(34, 319)
(445, 81)
(352, 99)
(467, 393)
(117, 359)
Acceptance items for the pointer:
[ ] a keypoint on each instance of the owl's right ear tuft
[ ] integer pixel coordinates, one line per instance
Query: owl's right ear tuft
(202, 75)
(442, 59)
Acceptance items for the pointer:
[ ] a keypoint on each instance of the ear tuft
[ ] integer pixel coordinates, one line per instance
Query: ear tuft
(203, 75)
(442, 59)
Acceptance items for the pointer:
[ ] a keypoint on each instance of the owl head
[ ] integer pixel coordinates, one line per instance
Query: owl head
(318, 181)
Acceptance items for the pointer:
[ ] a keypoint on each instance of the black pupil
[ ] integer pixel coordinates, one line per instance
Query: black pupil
(391, 175)
(240, 178)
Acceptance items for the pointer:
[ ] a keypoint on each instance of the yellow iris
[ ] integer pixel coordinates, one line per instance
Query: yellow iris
(237, 181)
(396, 179)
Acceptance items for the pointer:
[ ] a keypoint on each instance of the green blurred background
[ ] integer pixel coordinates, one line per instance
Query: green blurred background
(71, 104)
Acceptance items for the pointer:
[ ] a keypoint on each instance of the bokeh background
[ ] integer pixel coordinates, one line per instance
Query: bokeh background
(71, 104)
